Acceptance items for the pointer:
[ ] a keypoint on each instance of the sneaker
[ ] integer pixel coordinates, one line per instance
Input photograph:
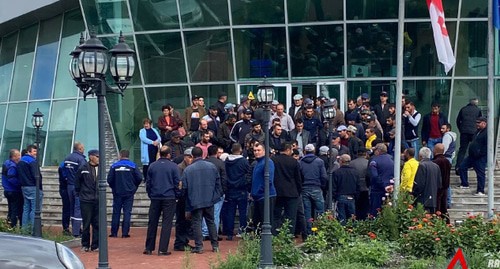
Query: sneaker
(479, 194)
(164, 253)
(463, 187)
(239, 235)
(215, 249)
(85, 249)
(147, 252)
(197, 250)
(95, 250)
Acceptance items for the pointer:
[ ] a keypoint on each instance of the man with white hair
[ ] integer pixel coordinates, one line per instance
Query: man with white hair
(427, 181)
(345, 188)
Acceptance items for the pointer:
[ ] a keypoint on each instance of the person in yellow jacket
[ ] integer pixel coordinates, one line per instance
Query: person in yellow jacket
(409, 170)
(370, 137)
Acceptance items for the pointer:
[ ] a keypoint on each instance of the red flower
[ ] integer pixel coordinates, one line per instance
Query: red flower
(372, 235)
(425, 220)
(437, 239)
(410, 206)
(438, 213)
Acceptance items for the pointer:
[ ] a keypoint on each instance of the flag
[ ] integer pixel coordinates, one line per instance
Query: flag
(496, 14)
(441, 38)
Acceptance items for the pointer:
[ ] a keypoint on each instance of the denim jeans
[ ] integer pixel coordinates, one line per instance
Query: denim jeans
(229, 214)
(119, 203)
(346, 207)
(432, 142)
(29, 193)
(413, 144)
(312, 197)
(479, 165)
(217, 209)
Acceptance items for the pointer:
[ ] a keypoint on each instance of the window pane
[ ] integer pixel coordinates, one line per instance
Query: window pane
(204, 13)
(257, 12)
(106, 17)
(72, 27)
(373, 89)
(161, 52)
(419, 9)
(30, 131)
(87, 130)
(463, 91)
(372, 9)
(45, 60)
(260, 52)
(317, 50)
(211, 93)
(157, 97)
(474, 9)
(420, 51)
(24, 63)
(209, 55)
(110, 42)
(155, 14)
(2, 120)
(472, 49)
(425, 92)
(372, 50)
(318, 10)
(6, 62)
(13, 132)
(62, 124)
(127, 114)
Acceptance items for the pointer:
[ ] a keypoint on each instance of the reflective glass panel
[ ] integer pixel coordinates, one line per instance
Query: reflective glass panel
(260, 52)
(203, 13)
(30, 131)
(372, 9)
(7, 54)
(211, 93)
(257, 12)
(209, 55)
(317, 50)
(425, 92)
(13, 132)
(110, 42)
(317, 10)
(86, 124)
(372, 50)
(24, 63)
(420, 58)
(2, 120)
(372, 88)
(155, 14)
(158, 96)
(472, 49)
(419, 9)
(127, 114)
(106, 17)
(60, 137)
(45, 59)
(72, 27)
(474, 9)
(161, 56)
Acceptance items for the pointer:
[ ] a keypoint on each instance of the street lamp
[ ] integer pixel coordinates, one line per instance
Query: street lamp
(265, 96)
(37, 122)
(329, 113)
(88, 68)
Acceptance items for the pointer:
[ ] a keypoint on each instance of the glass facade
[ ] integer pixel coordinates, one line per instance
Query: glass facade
(201, 47)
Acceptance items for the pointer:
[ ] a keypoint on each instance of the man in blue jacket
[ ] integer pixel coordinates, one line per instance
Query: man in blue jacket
(202, 183)
(28, 170)
(123, 178)
(163, 186)
(258, 186)
(71, 165)
(381, 169)
(12, 188)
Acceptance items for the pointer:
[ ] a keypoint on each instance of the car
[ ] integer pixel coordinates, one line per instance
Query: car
(17, 251)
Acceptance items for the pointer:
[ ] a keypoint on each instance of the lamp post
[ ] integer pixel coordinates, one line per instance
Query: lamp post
(265, 95)
(37, 122)
(88, 68)
(329, 113)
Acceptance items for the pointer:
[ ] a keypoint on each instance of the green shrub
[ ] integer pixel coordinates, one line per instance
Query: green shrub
(284, 249)
(364, 251)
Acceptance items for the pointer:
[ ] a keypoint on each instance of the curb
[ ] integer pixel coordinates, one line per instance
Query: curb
(73, 243)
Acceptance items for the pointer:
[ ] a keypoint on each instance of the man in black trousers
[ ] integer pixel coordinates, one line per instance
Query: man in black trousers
(162, 186)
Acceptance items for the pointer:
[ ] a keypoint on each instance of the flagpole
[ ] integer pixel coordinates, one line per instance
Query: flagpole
(491, 110)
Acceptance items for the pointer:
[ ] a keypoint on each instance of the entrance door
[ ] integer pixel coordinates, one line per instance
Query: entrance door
(333, 89)
(282, 92)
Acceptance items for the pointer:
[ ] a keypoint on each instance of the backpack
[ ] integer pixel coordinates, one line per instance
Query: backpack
(451, 149)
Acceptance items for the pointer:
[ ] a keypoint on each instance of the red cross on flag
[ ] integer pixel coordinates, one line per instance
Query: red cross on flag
(441, 38)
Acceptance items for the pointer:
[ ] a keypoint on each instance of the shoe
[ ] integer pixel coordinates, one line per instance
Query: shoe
(125, 236)
(215, 249)
(219, 238)
(147, 252)
(197, 250)
(94, 249)
(229, 238)
(479, 194)
(457, 172)
(113, 235)
(166, 253)
(66, 232)
(206, 238)
(239, 235)
(463, 187)
(85, 249)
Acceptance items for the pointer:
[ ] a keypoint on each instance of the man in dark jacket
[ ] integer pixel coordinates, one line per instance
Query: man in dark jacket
(71, 164)
(236, 189)
(363, 199)
(163, 186)
(201, 180)
(288, 184)
(381, 169)
(466, 120)
(224, 132)
(63, 192)
(242, 127)
(478, 155)
(427, 181)
(12, 188)
(182, 225)
(445, 167)
(431, 127)
(123, 178)
(314, 179)
(87, 189)
(345, 188)
(28, 170)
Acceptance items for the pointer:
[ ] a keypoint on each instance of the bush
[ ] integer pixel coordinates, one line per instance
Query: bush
(284, 250)
(247, 254)
(363, 251)
(326, 229)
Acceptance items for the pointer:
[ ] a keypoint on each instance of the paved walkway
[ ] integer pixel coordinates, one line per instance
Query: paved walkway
(127, 253)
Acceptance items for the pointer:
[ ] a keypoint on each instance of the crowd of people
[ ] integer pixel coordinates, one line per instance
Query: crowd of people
(204, 166)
